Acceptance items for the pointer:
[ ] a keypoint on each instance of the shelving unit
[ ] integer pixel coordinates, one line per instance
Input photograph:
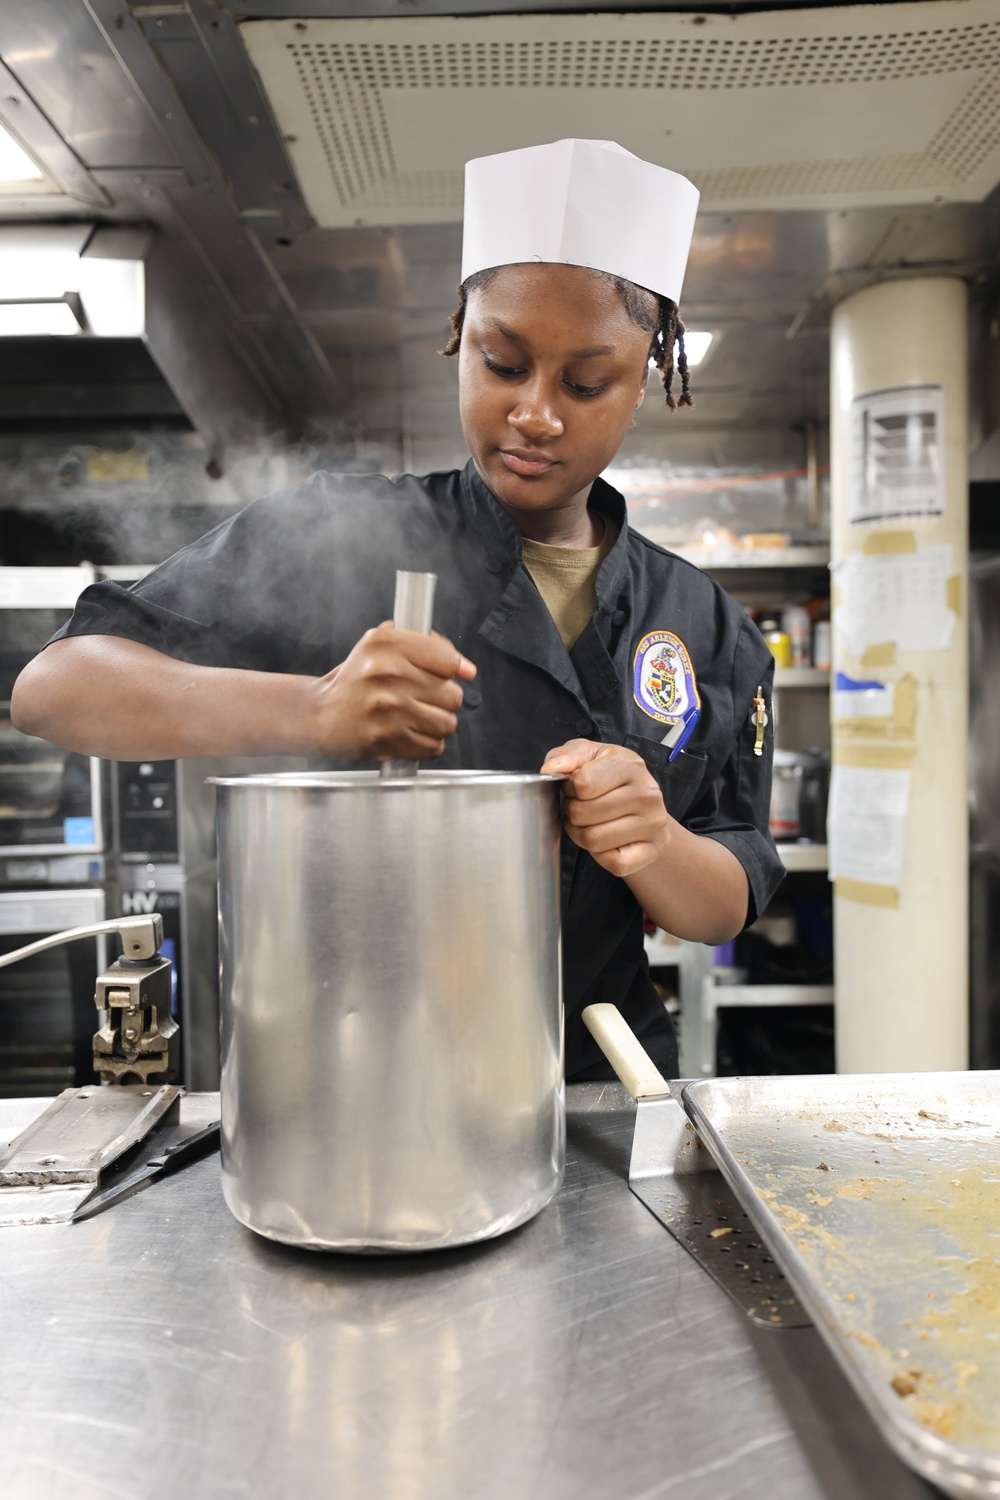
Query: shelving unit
(763, 573)
(802, 677)
(726, 559)
(803, 856)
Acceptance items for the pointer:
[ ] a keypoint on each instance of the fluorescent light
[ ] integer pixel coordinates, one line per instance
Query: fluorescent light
(25, 319)
(696, 346)
(40, 260)
(15, 163)
(113, 297)
(44, 266)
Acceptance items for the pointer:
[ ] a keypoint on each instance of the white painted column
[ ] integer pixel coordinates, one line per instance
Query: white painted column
(901, 940)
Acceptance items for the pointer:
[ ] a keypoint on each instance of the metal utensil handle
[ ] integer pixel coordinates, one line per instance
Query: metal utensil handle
(625, 1052)
(141, 938)
(413, 609)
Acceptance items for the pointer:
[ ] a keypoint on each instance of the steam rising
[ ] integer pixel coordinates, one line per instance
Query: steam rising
(120, 496)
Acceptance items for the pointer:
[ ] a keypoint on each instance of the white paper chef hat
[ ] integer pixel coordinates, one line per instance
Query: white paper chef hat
(580, 203)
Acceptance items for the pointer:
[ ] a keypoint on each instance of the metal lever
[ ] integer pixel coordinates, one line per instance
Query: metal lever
(141, 938)
(413, 609)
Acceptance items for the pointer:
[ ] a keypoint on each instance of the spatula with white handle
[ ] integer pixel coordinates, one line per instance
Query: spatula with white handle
(664, 1142)
(677, 1179)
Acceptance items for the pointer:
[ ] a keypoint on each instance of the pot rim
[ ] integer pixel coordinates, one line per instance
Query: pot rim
(330, 781)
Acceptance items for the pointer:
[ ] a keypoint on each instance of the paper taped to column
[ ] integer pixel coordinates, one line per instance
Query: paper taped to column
(866, 832)
(898, 598)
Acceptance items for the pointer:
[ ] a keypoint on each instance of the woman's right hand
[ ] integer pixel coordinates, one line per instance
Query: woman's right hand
(396, 696)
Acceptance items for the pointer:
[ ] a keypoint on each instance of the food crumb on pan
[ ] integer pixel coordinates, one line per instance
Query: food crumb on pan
(862, 1188)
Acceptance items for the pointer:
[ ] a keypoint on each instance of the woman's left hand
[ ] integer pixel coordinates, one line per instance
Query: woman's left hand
(614, 807)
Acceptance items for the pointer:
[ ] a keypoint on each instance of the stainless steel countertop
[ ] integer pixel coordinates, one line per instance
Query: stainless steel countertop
(159, 1351)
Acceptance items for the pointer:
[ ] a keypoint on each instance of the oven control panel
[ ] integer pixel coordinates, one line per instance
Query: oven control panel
(147, 812)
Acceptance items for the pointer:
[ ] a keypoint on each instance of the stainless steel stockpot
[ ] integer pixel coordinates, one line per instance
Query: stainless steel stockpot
(392, 1052)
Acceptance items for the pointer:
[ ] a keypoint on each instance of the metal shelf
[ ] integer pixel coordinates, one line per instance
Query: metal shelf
(667, 952)
(803, 856)
(744, 996)
(742, 559)
(802, 677)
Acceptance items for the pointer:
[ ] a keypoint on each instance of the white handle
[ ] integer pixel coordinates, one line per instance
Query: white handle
(625, 1052)
(413, 607)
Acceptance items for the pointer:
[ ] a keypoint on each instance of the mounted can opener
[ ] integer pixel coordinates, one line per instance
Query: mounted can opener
(57, 1168)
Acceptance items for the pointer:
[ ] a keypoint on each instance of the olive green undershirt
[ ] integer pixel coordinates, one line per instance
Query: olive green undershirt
(565, 578)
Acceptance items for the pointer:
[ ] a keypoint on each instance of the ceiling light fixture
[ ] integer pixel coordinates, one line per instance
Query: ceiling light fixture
(16, 166)
(696, 344)
(68, 279)
(19, 320)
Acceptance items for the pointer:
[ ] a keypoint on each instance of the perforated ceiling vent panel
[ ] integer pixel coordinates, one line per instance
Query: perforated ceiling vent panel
(814, 109)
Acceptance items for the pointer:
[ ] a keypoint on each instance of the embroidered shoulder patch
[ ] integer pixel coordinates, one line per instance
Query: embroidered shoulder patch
(663, 682)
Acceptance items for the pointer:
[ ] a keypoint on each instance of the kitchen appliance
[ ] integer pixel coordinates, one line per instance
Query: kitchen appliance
(47, 1002)
(52, 840)
(786, 794)
(814, 795)
(800, 787)
(50, 799)
(392, 1036)
(162, 860)
(93, 1146)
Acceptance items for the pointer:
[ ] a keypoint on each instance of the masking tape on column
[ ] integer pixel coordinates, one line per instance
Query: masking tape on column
(882, 655)
(880, 543)
(953, 594)
(871, 755)
(900, 725)
(866, 891)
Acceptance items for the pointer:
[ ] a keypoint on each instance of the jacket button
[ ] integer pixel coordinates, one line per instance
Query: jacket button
(473, 698)
(618, 618)
(584, 726)
(494, 565)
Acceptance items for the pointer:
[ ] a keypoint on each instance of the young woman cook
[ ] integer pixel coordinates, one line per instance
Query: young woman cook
(565, 640)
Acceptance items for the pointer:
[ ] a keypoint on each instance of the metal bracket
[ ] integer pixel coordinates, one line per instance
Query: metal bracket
(134, 1042)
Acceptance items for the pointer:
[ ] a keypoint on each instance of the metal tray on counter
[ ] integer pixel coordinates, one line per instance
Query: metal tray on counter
(879, 1197)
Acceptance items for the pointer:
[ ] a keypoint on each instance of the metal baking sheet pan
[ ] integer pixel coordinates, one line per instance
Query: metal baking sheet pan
(879, 1197)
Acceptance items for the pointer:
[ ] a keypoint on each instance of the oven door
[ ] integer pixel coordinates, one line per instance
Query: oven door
(50, 799)
(47, 1012)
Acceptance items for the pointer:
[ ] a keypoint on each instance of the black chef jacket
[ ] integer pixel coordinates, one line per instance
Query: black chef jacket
(292, 582)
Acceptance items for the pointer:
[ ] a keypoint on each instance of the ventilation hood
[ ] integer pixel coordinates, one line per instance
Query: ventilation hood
(798, 109)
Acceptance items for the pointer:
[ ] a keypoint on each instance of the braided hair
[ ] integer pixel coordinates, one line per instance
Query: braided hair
(655, 315)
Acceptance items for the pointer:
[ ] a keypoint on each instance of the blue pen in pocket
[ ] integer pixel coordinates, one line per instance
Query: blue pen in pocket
(682, 731)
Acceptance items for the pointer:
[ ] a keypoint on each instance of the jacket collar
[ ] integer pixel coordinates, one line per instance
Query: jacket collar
(503, 539)
(515, 624)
